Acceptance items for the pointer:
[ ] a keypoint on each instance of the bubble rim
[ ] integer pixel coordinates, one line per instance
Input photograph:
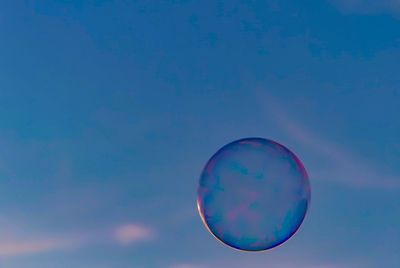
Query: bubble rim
(279, 243)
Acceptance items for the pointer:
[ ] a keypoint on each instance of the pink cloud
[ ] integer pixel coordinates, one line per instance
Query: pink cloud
(17, 242)
(132, 233)
(263, 264)
(188, 266)
(13, 248)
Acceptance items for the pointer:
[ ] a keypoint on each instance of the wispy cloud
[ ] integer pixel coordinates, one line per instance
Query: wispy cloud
(327, 159)
(132, 233)
(188, 266)
(13, 245)
(32, 246)
(368, 6)
(263, 264)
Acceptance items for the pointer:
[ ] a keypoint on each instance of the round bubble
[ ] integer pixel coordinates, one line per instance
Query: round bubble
(253, 194)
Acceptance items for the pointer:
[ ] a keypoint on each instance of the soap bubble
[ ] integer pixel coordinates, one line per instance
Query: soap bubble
(253, 194)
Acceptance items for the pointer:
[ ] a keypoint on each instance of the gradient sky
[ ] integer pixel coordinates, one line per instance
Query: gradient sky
(110, 109)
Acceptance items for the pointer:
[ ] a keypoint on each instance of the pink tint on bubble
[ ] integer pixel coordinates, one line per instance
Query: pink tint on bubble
(249, 142)
(210, 166)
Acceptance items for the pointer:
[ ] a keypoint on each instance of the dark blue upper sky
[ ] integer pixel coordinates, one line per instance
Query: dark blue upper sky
(110, 109)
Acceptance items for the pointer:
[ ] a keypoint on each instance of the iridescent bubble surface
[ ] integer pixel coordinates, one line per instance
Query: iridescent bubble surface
(253, 194)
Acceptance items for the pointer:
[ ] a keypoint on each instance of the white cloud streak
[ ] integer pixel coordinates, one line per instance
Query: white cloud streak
(329, 160)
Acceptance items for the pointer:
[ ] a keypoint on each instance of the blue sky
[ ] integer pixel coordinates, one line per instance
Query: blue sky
(110, 109)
